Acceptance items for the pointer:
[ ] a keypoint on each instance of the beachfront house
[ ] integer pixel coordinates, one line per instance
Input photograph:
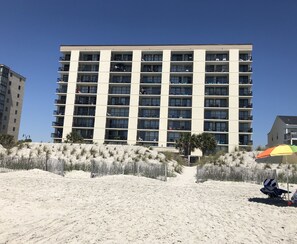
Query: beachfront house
(283, 131)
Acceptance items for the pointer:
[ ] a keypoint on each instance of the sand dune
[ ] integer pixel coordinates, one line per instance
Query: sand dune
(40, 207)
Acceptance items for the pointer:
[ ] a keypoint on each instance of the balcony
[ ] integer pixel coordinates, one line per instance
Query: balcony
(245, 68)
(245, 57)
(216, 68)
(245, 142)
(56, 135)
(245, 93)
(246, 105)
(63, 79)
(246, 130)
(217, 57)
(217, 80)
(245, 81)
(181, 68)
(57, 112)
(61, 90)
(60, 101)
(250, 117)
(64, 68)
(87, 78)
(178, 57)
(66, 57)
(121, 57)
(291, 135)
(57, 123)
(151, 68)
(152, 57)
(216, 91)
(180, 80)
(120, 68)
(89, 57)
(88, 68)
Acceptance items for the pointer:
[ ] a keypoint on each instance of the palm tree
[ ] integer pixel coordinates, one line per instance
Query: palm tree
(186, 143)
(206, 142)
(74, 137)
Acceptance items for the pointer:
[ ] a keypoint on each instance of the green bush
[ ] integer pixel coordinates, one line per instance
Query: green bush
(7, 141)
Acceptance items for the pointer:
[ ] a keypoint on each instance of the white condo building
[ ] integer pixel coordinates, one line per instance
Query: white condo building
(149, 94)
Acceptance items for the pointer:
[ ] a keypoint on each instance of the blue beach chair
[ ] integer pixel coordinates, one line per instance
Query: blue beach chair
(271, 189)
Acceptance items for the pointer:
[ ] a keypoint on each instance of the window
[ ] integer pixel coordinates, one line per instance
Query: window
(18, 95)
(17, 103)
(14, 120)
(8, 91)
(10, 83)
(13, 129)
(19, 87)
(7, 100)
(16, 112)
(6, 109)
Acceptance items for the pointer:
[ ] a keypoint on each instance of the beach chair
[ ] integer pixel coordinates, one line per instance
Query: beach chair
(271, 189)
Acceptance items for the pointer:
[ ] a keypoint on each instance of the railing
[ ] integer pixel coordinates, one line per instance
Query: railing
(56, 135)
(246, 117)
(63, 69)
(59, 112)
(57, 123)
(59, 101)
(248, 93)
(65, 58)
(62, 80)
(58, 90)
(291, 135)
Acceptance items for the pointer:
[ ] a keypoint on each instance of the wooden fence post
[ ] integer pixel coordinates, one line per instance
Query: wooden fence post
(165, 171)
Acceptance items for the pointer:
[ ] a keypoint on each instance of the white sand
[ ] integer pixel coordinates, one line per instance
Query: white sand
(40, 207)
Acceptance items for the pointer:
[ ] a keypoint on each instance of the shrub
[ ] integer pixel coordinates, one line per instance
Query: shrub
(7, 141)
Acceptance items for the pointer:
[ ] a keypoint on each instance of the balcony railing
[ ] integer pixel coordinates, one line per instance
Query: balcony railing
(59, 90)
(60, 101)
(63, 69)
(121, 68)
(245, 93)
(56, 135)
(56, 112)
(247, 82)
(248, 130)
(57, 123)
(65, 58)
(62, 80)
(246, 105)
(291, 135)
(246, 117)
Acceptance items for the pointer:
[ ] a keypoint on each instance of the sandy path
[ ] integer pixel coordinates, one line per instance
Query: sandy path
(39, 207)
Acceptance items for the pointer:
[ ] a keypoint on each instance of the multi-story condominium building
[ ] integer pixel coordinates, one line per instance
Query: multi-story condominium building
(11, 100)
(283, 131)
(149, 95)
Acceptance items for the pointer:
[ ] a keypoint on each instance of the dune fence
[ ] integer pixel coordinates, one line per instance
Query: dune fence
(240, 174)
(52, 165)
(150, 170)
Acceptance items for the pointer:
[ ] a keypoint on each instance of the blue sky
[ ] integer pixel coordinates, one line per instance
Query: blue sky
(33, 30)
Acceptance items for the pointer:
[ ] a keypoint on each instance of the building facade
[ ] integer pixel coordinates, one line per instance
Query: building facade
(283, 131)
(150, 94)
(12, 87)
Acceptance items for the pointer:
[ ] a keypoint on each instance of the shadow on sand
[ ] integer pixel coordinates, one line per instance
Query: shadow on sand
(272, 201)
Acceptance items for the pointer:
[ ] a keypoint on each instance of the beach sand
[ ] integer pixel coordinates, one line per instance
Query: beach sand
(40, 207)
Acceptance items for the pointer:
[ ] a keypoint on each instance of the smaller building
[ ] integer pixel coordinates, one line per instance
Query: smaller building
(12, 87)
(283, 131)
